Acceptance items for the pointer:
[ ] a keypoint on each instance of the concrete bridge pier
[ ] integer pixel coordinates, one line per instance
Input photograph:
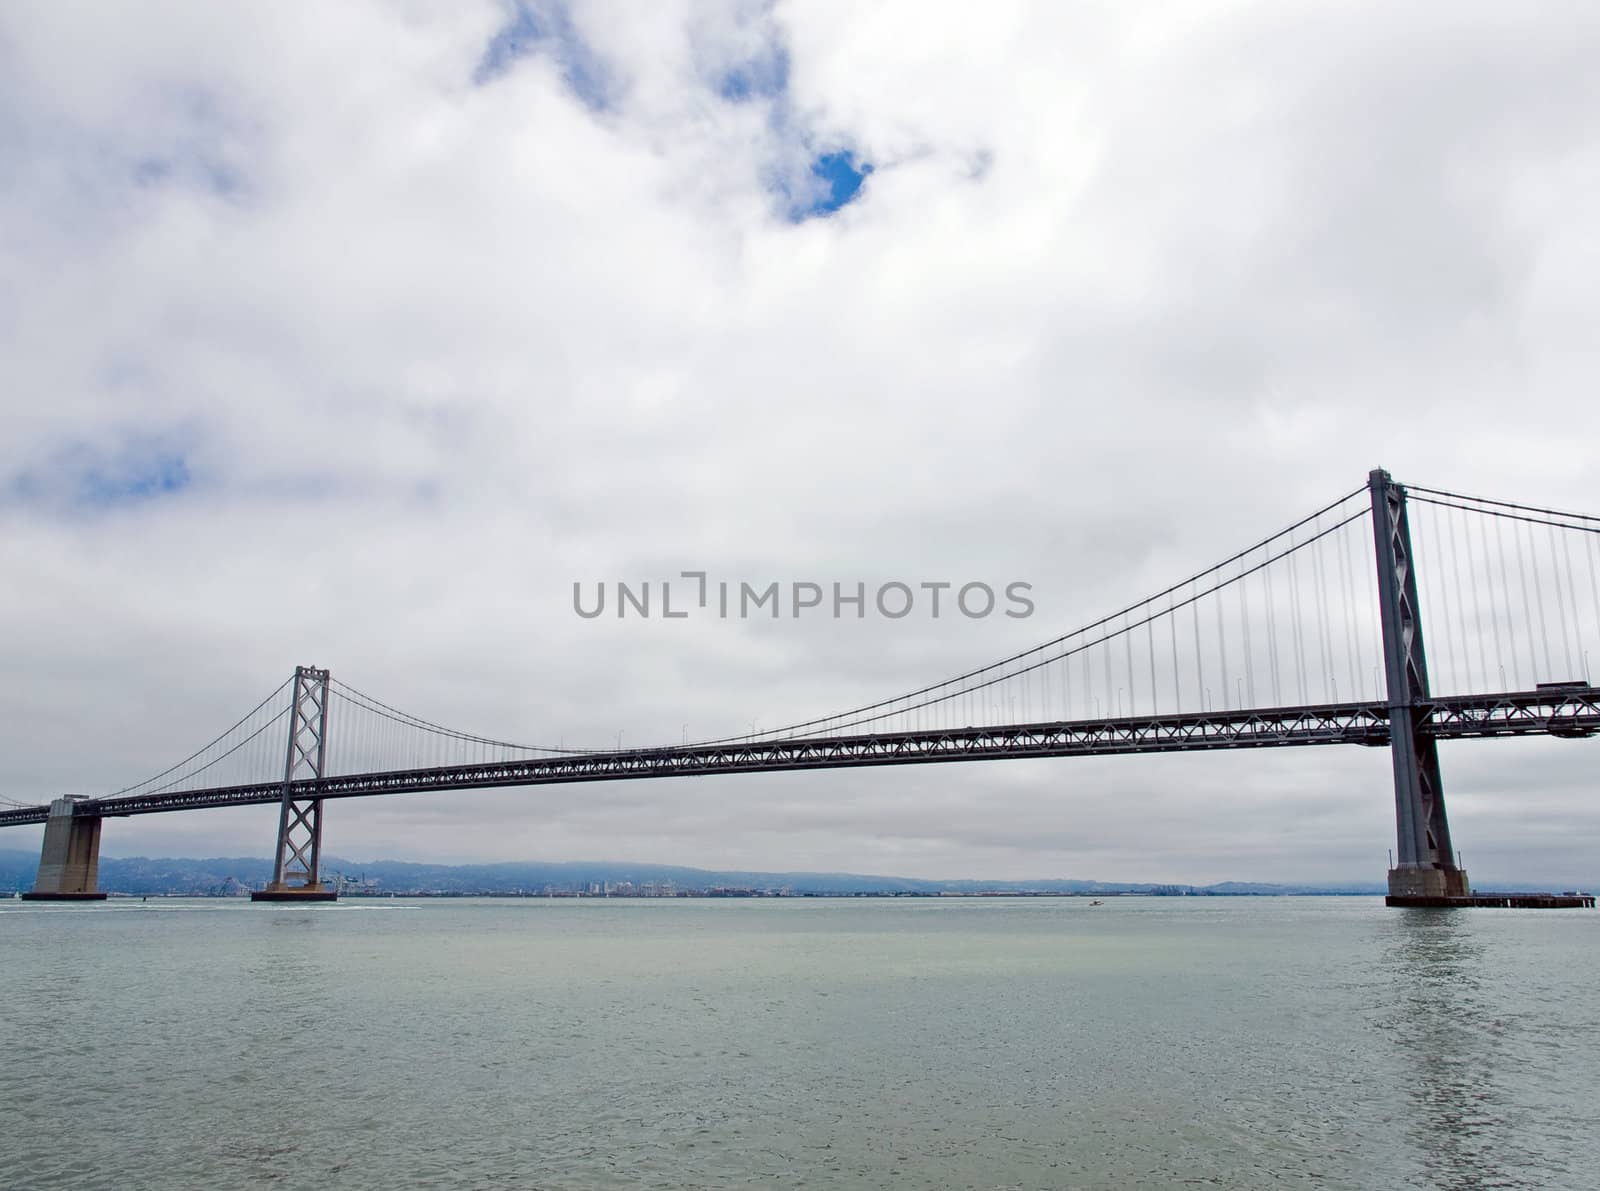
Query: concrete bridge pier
(69, 863)
(1413, 884)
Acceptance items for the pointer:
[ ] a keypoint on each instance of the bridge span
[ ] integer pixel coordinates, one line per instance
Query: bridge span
(1570, 712)
(1213, 662)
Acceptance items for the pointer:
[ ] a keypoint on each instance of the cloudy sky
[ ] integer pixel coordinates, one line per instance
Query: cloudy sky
(354, 335)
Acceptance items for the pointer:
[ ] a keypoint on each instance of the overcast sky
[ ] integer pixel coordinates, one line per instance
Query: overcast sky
(354, 335)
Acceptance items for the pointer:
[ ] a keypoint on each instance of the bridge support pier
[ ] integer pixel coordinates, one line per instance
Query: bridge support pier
(1418, 882)
(1427, 862)
(296, 872)
(69, 862)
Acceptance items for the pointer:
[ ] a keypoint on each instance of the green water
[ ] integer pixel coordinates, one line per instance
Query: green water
(989, 1043)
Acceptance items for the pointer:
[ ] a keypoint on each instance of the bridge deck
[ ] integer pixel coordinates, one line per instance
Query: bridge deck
(1570, 712)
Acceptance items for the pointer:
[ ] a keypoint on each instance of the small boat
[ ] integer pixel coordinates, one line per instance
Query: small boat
(1097, 902)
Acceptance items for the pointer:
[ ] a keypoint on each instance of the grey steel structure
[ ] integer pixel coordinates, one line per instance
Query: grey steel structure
(297, 869)
(1409, 721)
(1550, 712)
(1426, 862)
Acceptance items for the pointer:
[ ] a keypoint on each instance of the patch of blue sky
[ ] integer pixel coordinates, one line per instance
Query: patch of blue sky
(545, 28)
(159, 476)
(83, 478)
(835, 180)
(763, 77)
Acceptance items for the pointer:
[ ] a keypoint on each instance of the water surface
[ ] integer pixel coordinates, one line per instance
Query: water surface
(984, 1043)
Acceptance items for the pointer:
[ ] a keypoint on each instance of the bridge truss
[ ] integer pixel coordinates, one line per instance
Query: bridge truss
(1570, 712)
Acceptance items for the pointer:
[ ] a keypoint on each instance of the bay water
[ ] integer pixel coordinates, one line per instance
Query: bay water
(966, 1043)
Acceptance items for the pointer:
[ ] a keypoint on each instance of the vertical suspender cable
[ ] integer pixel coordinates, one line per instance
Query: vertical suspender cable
(1345, 568)
(1088, 677)
(1438, 612)
(1244, 621)
(1439, 658)
(1294, 615)
(1066, 682)
(1511, 624)
(1594, 593)
(1272, 634)
(1150, 646)
(1458, 595)
(1561, 598)
(331, 745)
(1477, 602)
(1127, 644)
(252, 753)
(1222, 648)
(1538, 591)
(1494, 603)
(1319, 576)
(1110, 703)
(1172, 631)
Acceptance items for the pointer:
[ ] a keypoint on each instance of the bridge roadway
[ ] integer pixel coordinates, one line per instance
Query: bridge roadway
(1569, 711)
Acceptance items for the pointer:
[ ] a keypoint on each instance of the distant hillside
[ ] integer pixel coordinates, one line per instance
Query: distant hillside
(141, 875)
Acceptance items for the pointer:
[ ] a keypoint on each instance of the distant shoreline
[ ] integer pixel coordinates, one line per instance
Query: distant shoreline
(237, 876)
(870, 893)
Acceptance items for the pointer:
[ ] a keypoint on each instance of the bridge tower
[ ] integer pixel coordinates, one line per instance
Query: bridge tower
(1426, 867)
(296, 871)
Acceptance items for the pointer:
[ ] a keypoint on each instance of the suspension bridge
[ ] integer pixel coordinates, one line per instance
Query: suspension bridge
(1311, 636)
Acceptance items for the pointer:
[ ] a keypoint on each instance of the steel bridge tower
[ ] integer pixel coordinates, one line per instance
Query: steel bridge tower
(1426, 864)
(296, 871)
